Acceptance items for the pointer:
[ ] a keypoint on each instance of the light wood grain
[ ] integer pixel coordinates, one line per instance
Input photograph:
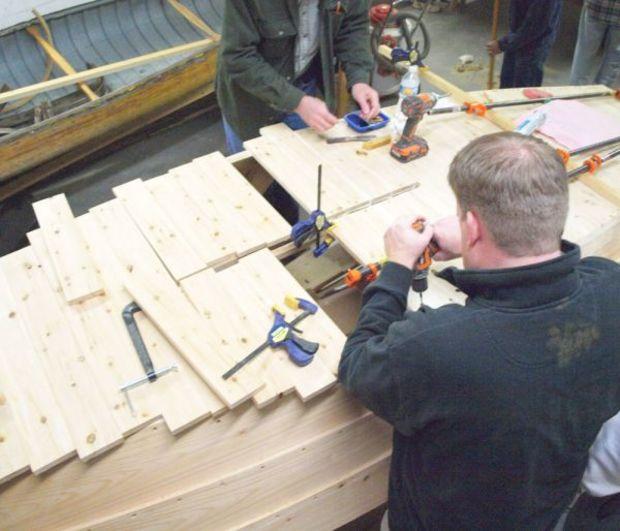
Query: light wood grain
(32, 425)
(88, 416)
(168, 308)
(261, 488)
(98, 329)
(73, 265)
(100, 71)
(335, 503)
(159, 230)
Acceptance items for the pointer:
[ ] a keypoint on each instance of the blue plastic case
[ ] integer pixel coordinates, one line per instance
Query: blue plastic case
(356, 122)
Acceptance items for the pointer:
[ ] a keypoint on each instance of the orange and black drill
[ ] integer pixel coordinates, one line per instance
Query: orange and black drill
(409, 146)
(419, 280)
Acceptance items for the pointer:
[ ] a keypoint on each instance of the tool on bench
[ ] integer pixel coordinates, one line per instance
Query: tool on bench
(411, 147)
(282, 334)
(317, 223)
(594, 163)
(355, 121)
(480, 109)
(143, 354)
(419, 280)
(356, 138)
(360, 275)
(567, 154)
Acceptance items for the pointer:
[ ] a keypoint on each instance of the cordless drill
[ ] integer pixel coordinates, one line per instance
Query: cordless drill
(419, 280)
(409, 146)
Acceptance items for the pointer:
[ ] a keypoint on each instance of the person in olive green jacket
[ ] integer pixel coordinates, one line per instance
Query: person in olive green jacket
(275, 54)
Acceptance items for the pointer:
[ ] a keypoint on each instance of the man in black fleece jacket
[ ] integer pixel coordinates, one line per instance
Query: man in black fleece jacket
(494, 404)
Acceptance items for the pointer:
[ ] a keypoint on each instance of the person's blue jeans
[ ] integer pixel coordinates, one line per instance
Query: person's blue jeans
(594, 35)
(524, 68)
(275, 194)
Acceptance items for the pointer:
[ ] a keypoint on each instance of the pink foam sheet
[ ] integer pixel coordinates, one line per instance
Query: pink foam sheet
(575, 125)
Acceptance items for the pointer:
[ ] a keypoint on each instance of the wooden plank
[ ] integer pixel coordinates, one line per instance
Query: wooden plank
(88, 417)
(98, 329)
(262, 487)
(160, 298)
(13, 456)
(159, 230)
(69, 254)
(319, 328)
(100, 71)
(171, 392)
(84, 130)
(35, 412)
(247, 204)
(300, 180)
(193, 222)
(333, 505)
(78, 493)
(60, 61)
(194, 19)
(239, 307)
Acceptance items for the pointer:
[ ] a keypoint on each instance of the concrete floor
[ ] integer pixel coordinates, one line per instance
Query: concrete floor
(87, 184)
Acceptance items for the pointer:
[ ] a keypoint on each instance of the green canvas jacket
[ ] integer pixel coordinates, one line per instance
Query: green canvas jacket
(257, 57)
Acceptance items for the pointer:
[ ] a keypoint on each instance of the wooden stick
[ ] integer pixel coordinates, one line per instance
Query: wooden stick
(490, 82)
(342, 97)
(194, 19)
(64, 65)
(99, 71)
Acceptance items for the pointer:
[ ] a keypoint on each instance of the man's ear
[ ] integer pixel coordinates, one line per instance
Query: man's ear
(474, 231)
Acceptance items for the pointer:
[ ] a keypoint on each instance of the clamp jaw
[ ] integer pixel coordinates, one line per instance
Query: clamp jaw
(316, 224)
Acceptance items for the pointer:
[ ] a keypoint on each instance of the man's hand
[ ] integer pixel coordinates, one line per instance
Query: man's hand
(368, 100)
(447, 236)
(315, 113)
(493, 48)
(403, 244)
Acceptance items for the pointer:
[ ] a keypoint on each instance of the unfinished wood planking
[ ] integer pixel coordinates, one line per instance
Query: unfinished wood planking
(88, 417)
(263, 486)
(166, 305)
(368, 483)
(69, 253)
(238, 302)
(242, 200)
(101, 335)
(32, 425)
(159, 230)
(169, 394)
(212, 451)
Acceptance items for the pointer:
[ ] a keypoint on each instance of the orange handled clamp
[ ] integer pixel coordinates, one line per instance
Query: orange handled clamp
(368, 274)
(593, 163)
(479, 109)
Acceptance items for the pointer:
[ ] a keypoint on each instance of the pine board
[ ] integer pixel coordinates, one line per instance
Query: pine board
(334, 504)
(262, 487)
(88, 417)
(168, 308)
(31, 423)
(69, 254)
(99, 331)
(352, 181)
(238, 302)
(170, 393)
(163, 235)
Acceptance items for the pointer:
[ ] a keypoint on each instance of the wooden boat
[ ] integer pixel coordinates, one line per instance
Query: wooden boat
(121, 64)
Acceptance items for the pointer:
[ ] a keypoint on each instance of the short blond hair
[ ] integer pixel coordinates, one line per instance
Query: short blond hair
(519, 187)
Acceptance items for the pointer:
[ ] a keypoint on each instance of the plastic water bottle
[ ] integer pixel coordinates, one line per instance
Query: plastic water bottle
(409, 86)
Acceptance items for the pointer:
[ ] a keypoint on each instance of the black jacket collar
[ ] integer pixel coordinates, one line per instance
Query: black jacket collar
(521, 287)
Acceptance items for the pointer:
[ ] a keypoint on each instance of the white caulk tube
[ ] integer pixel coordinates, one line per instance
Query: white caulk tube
(532, 123)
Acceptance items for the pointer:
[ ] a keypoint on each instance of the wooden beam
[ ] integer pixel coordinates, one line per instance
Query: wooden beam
(194, 19)
(99, 71)
(60, 61)
(490, 81)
